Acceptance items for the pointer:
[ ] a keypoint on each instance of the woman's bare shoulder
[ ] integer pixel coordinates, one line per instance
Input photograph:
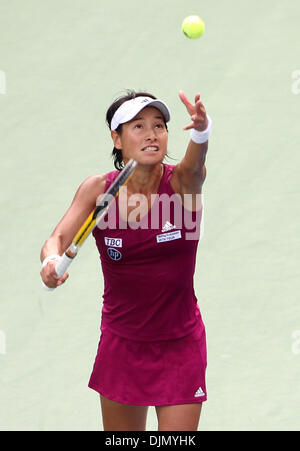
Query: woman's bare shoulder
(94, 182)
(92, 187)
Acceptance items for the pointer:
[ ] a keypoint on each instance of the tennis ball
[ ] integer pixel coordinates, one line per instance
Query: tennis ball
(193, 27)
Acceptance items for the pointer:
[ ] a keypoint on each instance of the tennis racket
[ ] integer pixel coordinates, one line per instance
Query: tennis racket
(93, 220)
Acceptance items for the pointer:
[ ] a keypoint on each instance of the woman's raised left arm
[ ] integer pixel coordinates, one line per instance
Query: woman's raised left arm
(190, 173)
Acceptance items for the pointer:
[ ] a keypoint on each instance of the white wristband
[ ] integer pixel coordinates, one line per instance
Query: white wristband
(201, 137)
(50, 258)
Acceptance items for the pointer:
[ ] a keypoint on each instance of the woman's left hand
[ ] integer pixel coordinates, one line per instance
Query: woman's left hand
(196, 111)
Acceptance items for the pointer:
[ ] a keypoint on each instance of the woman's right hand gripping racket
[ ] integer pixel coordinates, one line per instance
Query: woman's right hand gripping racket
(93, 219)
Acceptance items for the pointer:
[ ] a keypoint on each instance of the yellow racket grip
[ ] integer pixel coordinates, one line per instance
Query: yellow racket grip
(85, 230)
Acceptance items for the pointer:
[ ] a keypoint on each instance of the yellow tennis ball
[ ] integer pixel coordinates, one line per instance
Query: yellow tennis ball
(193, 27)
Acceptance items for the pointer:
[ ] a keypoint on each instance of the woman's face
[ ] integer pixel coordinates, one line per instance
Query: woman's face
(144, 138)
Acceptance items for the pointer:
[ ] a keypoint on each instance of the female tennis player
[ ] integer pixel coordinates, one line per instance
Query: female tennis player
(152, 349)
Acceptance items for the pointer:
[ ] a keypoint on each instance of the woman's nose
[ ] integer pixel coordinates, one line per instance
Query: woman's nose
(151, 135)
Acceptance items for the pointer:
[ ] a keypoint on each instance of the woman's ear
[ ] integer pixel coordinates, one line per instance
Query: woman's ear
(116, 139)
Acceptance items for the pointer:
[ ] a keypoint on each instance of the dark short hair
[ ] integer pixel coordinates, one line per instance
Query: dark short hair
(130, 94)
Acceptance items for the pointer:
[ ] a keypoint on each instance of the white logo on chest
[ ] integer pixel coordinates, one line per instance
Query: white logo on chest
(167, 227)
(114, 242)
(176, 235)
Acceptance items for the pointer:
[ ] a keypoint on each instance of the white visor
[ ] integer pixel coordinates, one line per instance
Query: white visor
(129, 109)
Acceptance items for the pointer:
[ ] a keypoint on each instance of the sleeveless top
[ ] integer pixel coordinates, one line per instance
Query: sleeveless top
(149, 266)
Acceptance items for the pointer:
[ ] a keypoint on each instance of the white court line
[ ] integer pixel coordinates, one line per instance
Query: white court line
(2, 82)
(296, 342)
(295, 88)
(2, 342)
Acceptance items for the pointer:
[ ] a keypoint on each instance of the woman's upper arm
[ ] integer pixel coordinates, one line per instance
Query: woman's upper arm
(83, 203)
(184, 181)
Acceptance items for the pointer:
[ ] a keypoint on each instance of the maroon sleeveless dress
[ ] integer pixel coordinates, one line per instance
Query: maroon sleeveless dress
(152, 349)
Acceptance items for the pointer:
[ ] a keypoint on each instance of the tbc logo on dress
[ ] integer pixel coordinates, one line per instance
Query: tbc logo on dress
(116, 242)
(114, 254)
